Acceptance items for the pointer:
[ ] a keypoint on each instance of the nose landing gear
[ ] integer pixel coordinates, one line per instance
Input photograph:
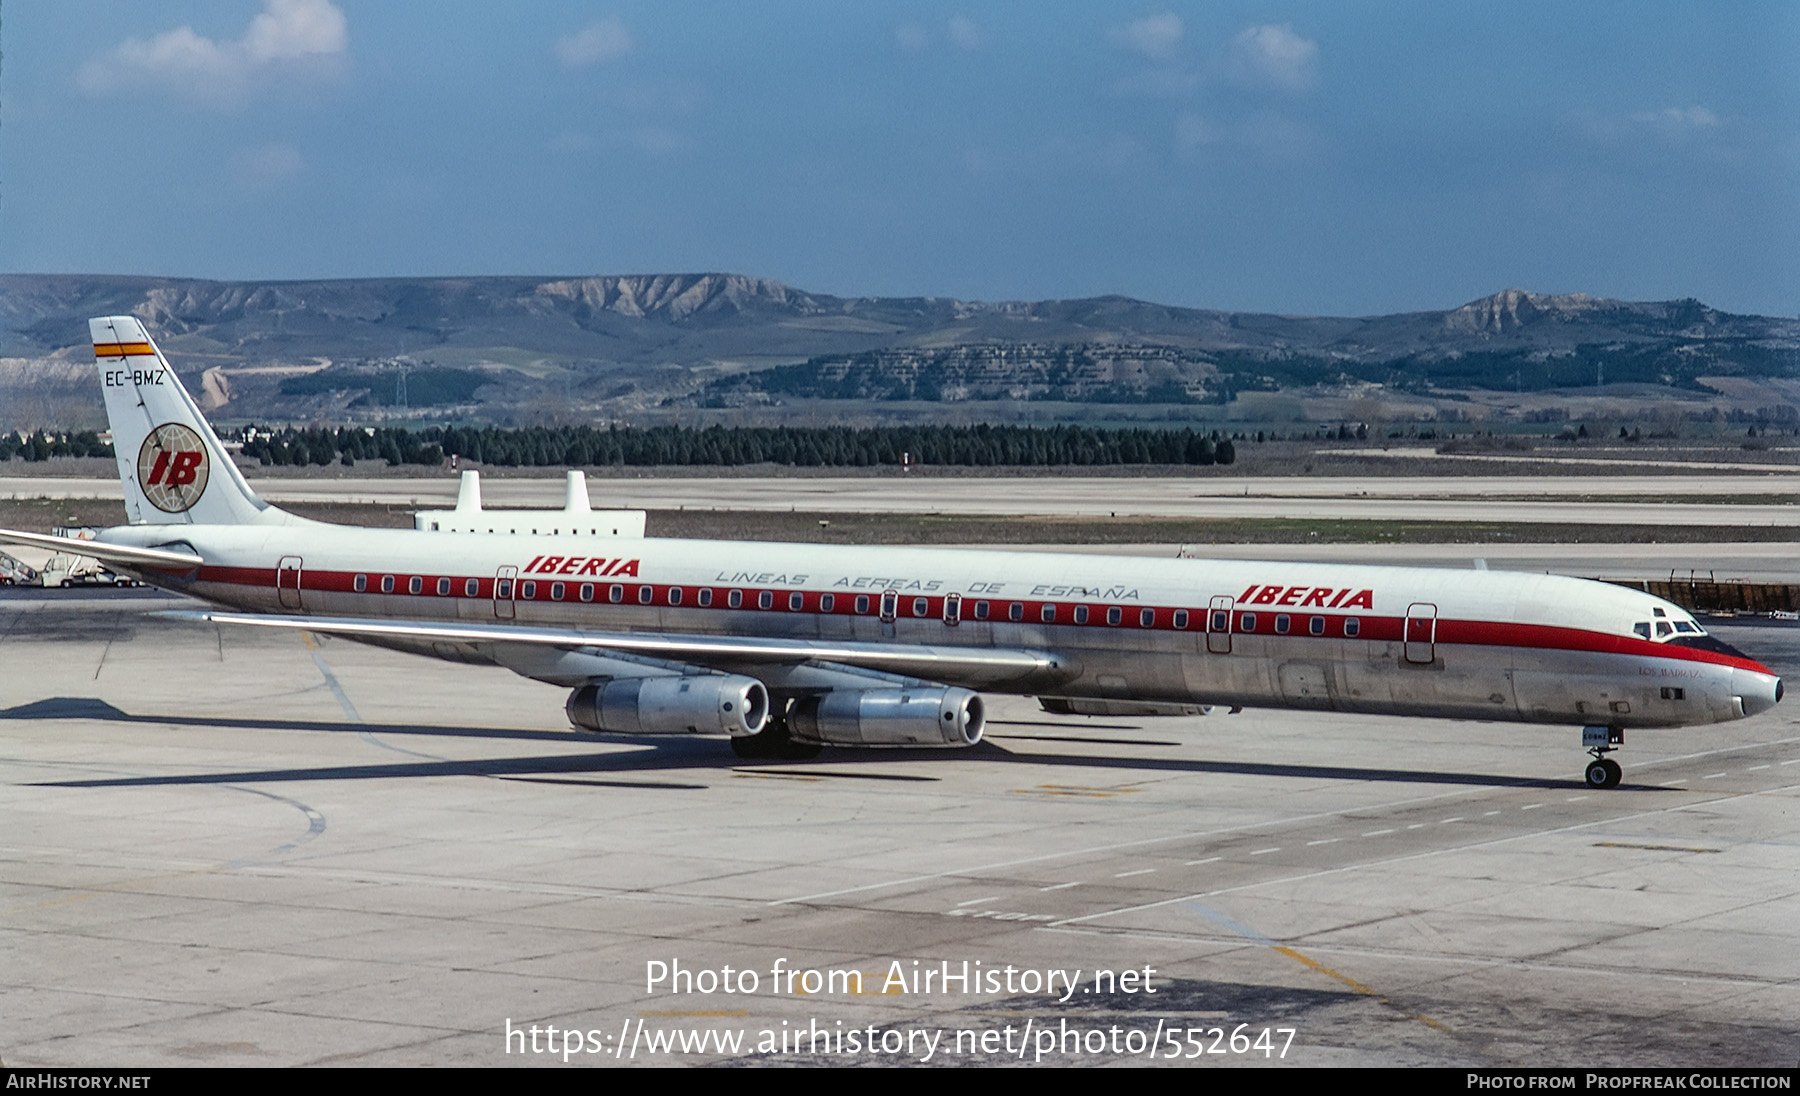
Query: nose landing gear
(1603, 772)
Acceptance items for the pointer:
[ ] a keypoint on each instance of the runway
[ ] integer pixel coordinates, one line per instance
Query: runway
(256, 849)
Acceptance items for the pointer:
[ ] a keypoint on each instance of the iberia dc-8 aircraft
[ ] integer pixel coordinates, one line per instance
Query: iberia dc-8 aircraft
(787, 647)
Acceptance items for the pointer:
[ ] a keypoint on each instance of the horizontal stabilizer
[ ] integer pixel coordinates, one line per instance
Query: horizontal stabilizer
(124, 555)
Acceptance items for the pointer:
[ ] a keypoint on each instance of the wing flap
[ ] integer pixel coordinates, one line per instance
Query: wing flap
(959, 665)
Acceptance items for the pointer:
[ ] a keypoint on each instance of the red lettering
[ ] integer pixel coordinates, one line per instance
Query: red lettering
(1245, 596)
(627, 569)
(1364, 599)
(1317, 596)
(162, 465)
(550, 564)
(1338, 598)
(1292, 596)
(568, 567)
(185, 470)
(592, 566)
(1267, 595)
(533, 563)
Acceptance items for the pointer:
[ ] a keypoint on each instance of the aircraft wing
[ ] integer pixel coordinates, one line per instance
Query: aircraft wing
(158, 558)
(975, 665)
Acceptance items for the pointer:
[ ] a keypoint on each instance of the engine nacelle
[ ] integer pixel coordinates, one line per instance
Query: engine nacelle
(686, 704)
(930, 715)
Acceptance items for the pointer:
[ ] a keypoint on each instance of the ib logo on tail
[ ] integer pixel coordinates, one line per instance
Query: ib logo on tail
(172, 468)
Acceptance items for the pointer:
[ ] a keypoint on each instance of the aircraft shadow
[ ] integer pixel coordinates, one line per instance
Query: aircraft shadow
(653, 755)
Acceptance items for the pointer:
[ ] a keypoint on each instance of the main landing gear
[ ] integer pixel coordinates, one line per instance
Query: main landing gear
(1603, 772)
(774, 742)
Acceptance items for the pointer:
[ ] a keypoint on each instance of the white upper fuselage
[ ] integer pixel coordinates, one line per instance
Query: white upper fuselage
(1470, 644)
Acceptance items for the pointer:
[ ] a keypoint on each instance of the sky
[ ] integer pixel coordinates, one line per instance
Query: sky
(1318, 158)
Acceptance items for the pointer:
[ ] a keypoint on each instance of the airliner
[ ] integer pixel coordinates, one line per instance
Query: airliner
(786, 648)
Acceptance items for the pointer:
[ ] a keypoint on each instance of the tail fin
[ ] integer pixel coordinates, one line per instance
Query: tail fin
(173, 467)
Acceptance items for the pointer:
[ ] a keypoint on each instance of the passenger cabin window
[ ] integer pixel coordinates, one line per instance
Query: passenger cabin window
(765, 600)
(503, 588)
(862, 603)
(1316, 626)
(528, 590)
(646, 594)
(556, 591)
(1352, 626)
(615, 593)
(734, 599)
(387, 584)
(1147, 618)
(705, 598)
(981, 610)
(1282, 623)
(921, 607)
(1081, 614)
(1016, 611)
(796, 602)
(674, 595)
(1221, 621)
(1247, 622)
(360, 584)
(1181, 618)
(443, 587)
(1114, 614)
(1047, 614)
(827, 602)
(415, 585)
(587, 591)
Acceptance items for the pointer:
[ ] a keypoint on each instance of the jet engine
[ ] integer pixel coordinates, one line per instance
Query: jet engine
(672, 704)
(932, 715)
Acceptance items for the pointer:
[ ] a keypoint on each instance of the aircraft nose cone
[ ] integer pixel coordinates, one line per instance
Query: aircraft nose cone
(1755, 692)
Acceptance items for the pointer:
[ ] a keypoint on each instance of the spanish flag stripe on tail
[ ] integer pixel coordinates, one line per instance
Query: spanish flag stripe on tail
(123, 350)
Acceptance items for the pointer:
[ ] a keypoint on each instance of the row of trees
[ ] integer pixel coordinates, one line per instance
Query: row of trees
(43, 445)
(834, 447)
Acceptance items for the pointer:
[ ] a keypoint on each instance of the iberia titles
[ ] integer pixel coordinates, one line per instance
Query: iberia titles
(582, 565)
(1324, 597)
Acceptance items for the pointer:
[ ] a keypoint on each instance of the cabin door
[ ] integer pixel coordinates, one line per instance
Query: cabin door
(1421, 632)
(1218, 624)
(505, 579)
(287, 582)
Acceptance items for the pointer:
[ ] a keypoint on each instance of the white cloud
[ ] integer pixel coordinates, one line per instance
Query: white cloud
(1679, 118)
(1154, 36)
(964, 34)
(289, 38)
(1192, 131)
(605, 40)
(267, 165)
(1273, 55)
(911, 37)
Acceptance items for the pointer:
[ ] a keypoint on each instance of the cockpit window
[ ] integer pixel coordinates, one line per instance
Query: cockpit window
(1664, 629)
(1687, 626)
(1642, 628)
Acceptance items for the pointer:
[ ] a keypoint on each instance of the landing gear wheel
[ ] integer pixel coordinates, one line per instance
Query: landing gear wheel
(1604, 773)
(750, 747)
(773, 741)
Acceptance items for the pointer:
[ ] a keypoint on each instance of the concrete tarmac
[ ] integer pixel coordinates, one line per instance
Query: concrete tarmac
(1673, 500)
(255, 848)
